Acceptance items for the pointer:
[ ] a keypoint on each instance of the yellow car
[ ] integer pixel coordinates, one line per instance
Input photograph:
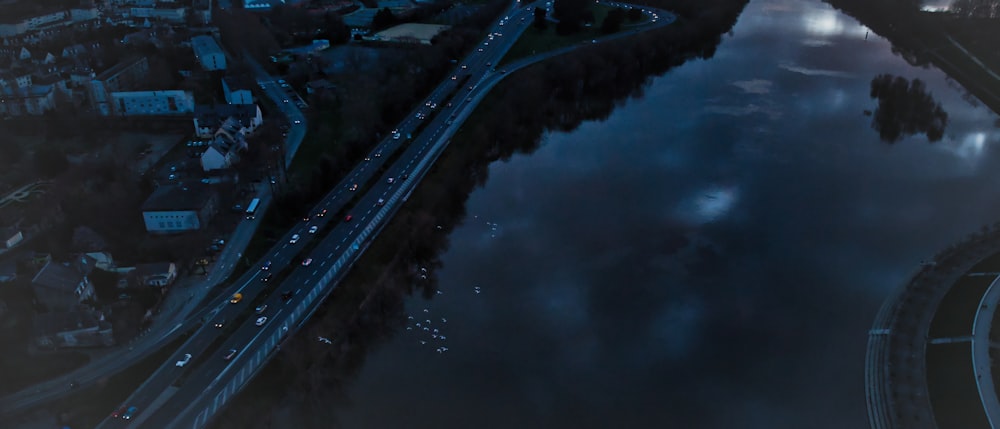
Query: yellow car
(237, 297)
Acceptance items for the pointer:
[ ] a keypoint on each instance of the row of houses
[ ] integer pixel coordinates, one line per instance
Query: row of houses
(117, 91)
(68, 297)
(15, 24)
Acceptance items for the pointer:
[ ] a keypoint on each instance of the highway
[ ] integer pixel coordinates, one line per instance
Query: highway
(355, 211)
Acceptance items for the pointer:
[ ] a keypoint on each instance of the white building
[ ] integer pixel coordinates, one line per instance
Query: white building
(172, 102)
(11, 237)
(83, 15)
(35, 100)
(236, 92)
(257, 4)
(13, 29)
(227, 119)
(208, 53)
(176, 15)
(15, 80)
(179, 208)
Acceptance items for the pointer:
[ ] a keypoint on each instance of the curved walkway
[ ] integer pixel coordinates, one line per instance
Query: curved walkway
(981, 364)
(896, 359)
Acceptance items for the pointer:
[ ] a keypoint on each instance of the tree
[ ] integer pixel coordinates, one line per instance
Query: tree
(613, 21)
(540, 22)
(383, 19)
(570, 14)
(905, 108)
(634, 14)
(50, 160)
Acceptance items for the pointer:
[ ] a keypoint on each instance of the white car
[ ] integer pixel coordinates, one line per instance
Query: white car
(391, 180)
(261, 320)
(295, 239)
(395, 136)
(182, 362)
(313, 229)
(380, 202)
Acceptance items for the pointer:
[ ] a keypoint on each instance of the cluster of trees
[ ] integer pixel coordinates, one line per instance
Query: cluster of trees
(572, 14)
(905, 108)
(285, 26)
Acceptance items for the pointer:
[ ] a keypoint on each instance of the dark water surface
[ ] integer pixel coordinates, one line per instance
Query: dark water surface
(710, 256)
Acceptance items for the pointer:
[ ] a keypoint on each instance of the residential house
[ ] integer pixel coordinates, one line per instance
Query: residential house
(80, 76)
(171, 14)
(72, 329)
(209, 121)
(179, 208)
(11, 237)
(236, 90)
(35, 100)
(74, 51)
(61, 287)
(221, 154)
(208, 53)
(81, 15)
(15, 79)
(158, 275)
(138, 103)
(124, 76)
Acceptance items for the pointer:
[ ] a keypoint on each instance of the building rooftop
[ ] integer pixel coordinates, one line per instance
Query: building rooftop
(214, 116)
(57, 276)
(235, 82)
(192, 196)
(18, 11)
(34, 91)
(118, 68)
(205, 45)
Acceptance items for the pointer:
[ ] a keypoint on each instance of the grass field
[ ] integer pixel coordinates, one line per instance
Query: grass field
(534, 41)
(958, 308)
(951, 385)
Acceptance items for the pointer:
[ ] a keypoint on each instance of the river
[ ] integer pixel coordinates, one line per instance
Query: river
(709, 256)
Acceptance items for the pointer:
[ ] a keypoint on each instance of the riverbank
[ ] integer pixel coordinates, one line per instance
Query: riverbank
(957, 46)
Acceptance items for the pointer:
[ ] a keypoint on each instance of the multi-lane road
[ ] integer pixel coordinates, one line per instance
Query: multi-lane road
(353, 212)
